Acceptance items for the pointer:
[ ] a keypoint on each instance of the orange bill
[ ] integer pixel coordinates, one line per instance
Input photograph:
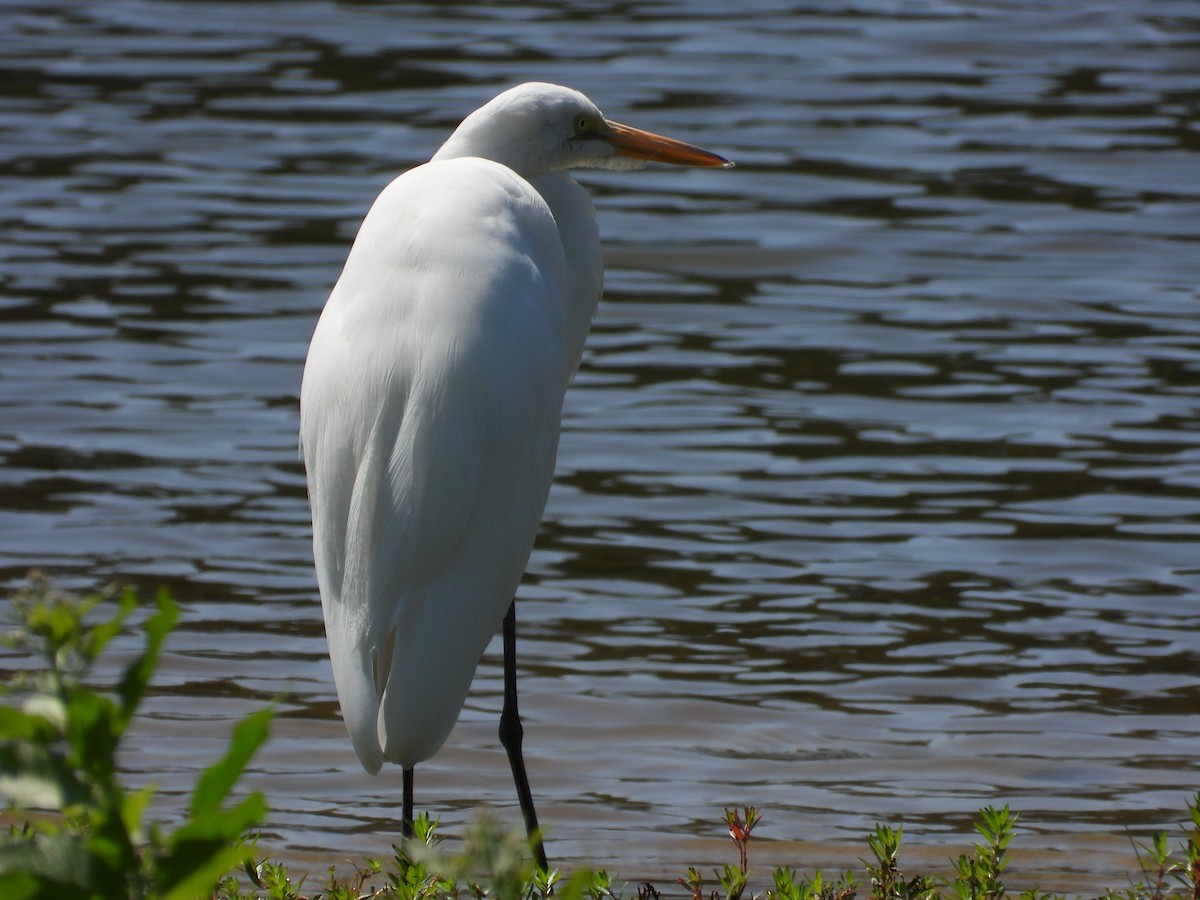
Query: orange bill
(638, 144)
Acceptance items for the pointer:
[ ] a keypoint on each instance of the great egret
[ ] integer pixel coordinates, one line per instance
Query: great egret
(431, 405)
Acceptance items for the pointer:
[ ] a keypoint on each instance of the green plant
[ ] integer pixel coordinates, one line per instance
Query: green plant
(732, 878)
(788, 887)
(493, 863)
(1189, 870)
(887, 881)
(885, 871)
(417, 864)
(1162, 867)
(977, 877)
(59, 740)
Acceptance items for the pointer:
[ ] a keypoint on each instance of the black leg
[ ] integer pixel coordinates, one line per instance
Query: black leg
(406, 828)
(511, 734)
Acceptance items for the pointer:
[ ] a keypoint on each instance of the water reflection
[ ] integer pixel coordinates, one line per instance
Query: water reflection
(880, 483)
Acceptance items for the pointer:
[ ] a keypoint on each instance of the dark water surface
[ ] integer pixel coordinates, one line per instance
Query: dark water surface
(879, 489)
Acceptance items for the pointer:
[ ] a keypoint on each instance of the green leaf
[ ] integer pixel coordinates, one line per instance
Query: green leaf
(111, 848)
(137, 677)
(21, 886)
(56, 622)
(205, 848)
(96, 637)
(132, 807)
(576, 887)
(29, 724)
(92, 734)
(215, 783)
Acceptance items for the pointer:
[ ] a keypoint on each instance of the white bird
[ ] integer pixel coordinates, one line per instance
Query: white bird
(431, 405)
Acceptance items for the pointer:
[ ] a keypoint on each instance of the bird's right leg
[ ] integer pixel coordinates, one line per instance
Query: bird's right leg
(406, 823)
(511, 734)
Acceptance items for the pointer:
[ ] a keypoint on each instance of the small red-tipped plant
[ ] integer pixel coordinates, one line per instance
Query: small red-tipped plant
(740, 831)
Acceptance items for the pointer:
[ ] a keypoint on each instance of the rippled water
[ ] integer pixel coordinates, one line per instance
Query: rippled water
(879, 488)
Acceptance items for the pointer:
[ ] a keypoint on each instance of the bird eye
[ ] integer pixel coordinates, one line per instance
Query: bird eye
(582, 124)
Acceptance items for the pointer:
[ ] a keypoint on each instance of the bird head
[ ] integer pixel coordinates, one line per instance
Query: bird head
(535, 128)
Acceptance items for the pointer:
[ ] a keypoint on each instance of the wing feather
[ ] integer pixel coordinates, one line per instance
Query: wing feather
(429, 419)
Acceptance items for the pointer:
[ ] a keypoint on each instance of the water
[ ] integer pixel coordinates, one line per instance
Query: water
(879, 488)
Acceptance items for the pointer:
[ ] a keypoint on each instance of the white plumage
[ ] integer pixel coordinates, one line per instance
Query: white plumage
(432, 398)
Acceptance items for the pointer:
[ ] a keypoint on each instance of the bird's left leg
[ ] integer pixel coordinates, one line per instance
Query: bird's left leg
(511, 735)
(406, 821)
